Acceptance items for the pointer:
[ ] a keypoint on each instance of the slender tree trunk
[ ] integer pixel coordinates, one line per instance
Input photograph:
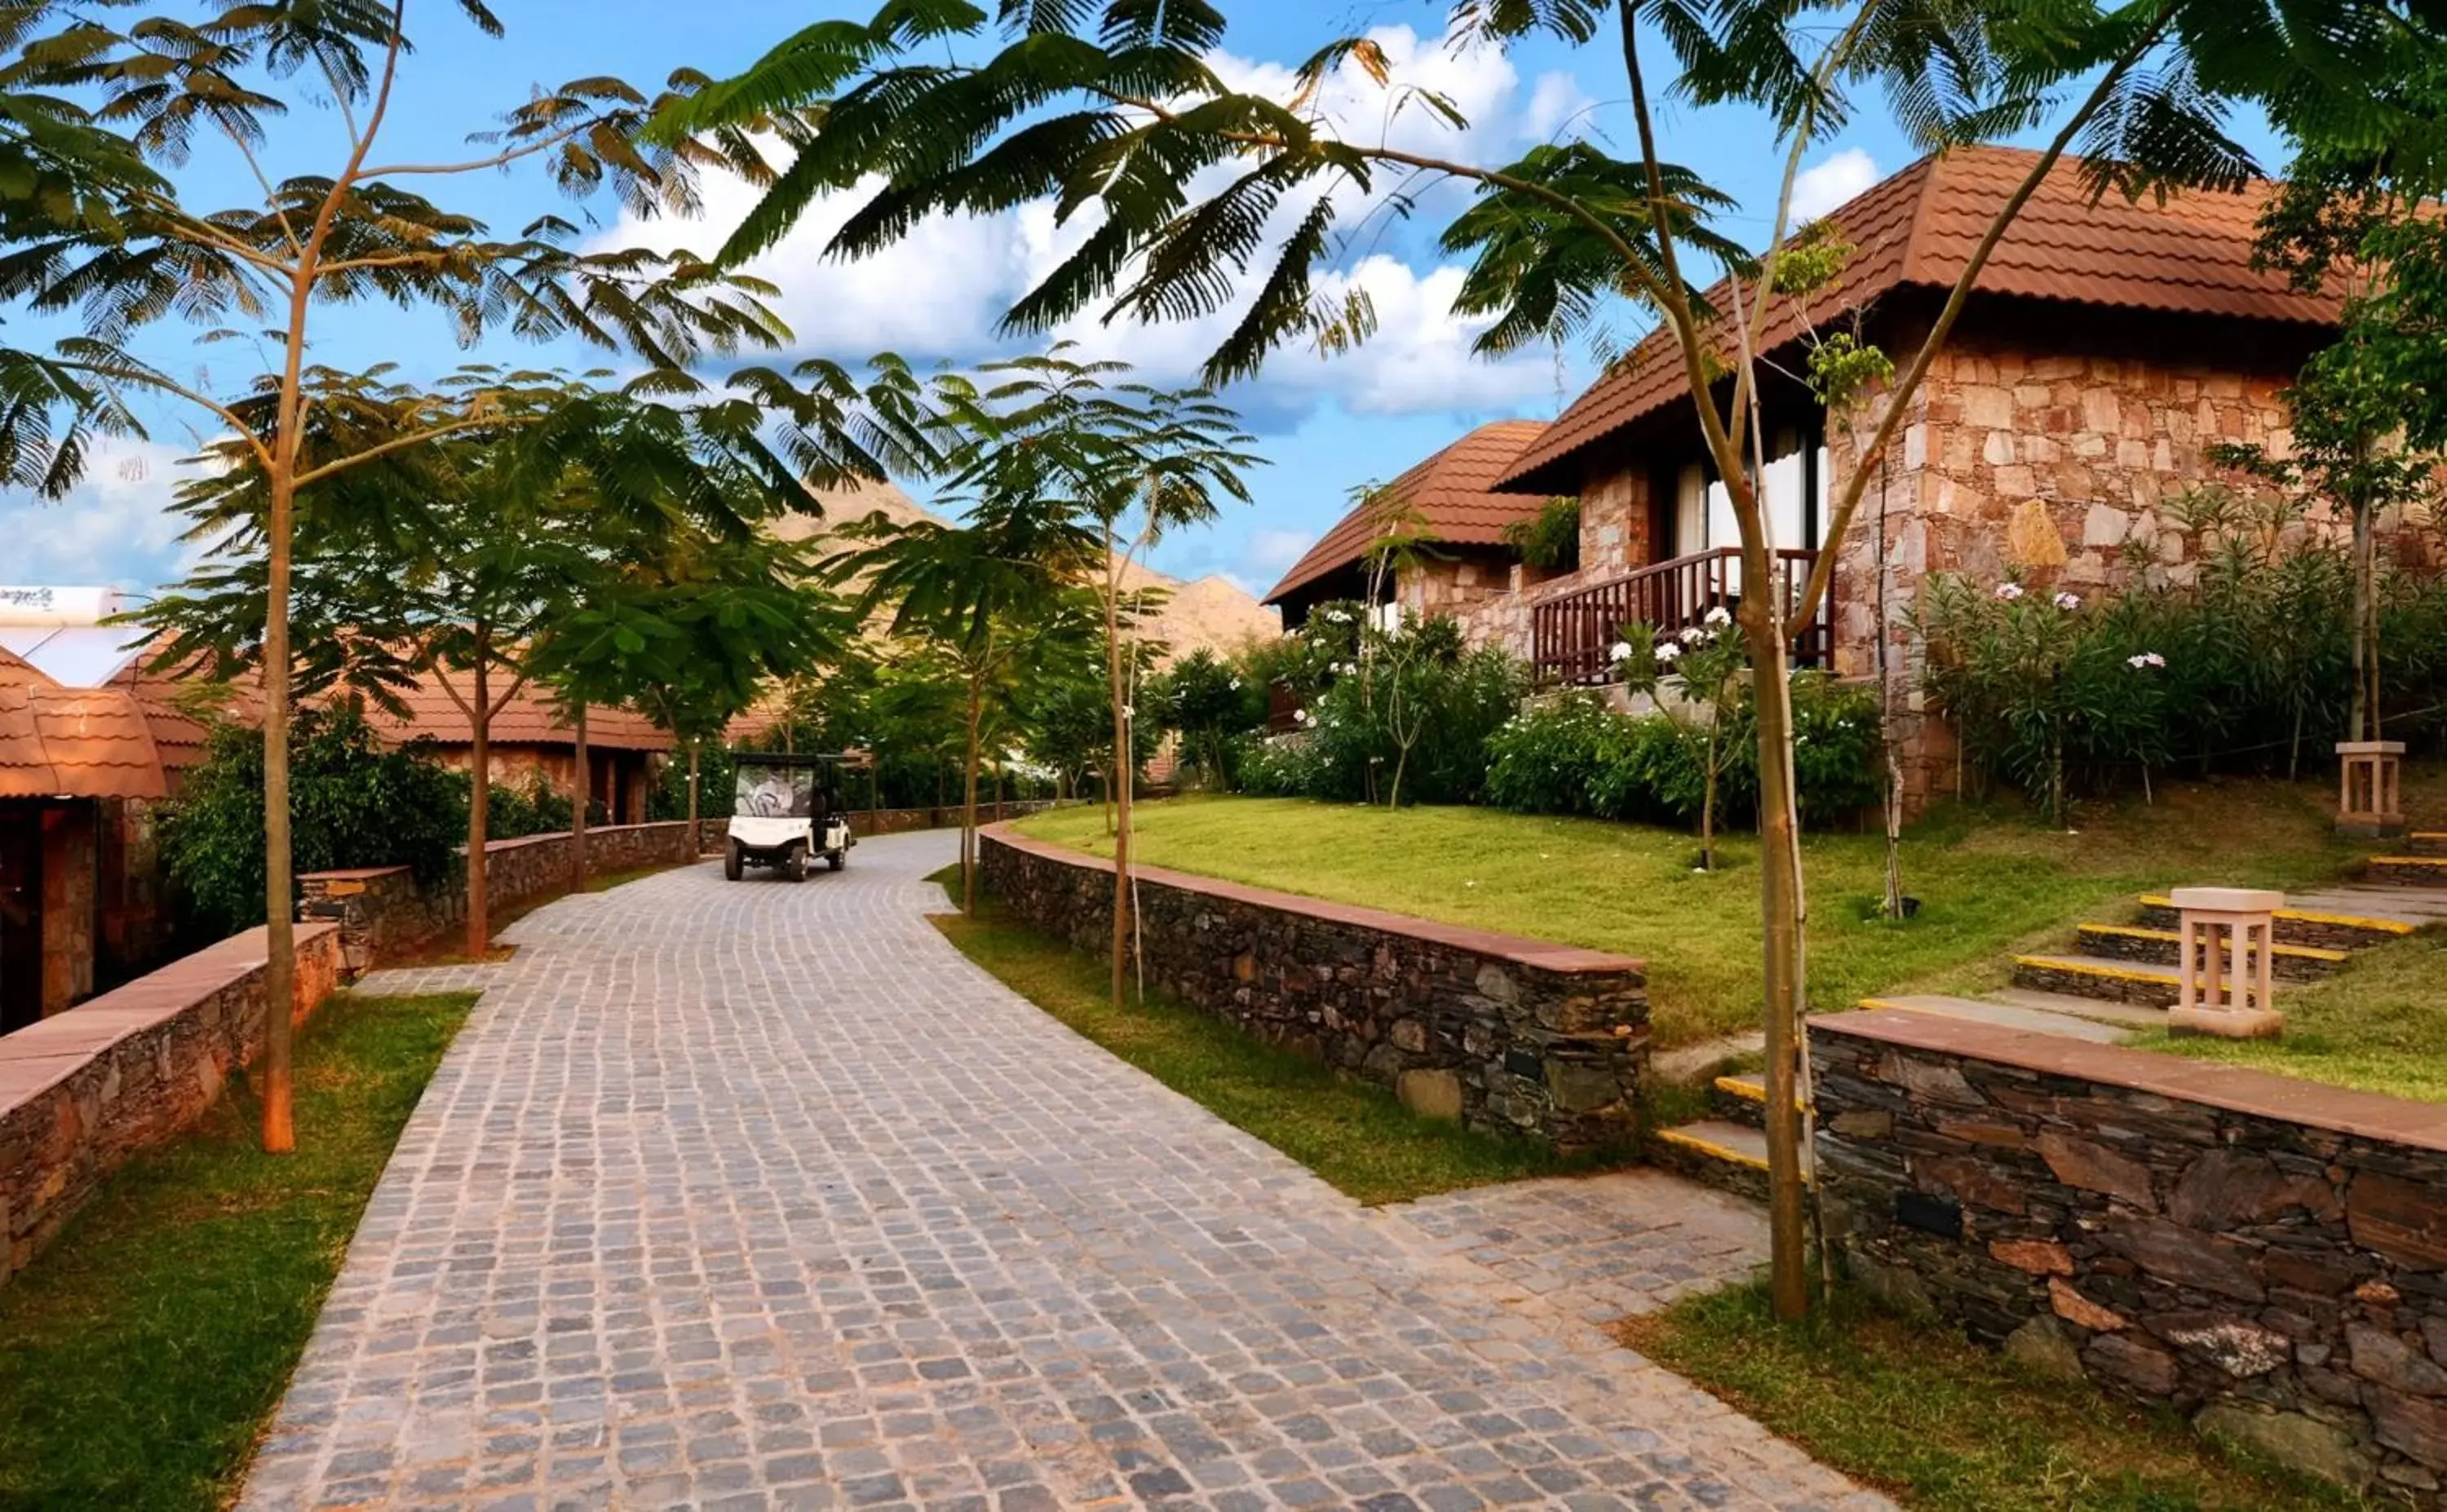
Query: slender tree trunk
(583, 796)
(279, 908)
(2361, 721)
(1782, 923)
(1123, 780)
(697, 767)
(480, 792)
(969, 801)
(1708, 804)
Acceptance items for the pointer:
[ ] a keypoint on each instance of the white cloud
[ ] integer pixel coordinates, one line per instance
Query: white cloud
(1823, 186)
(938, 294)
(114, 527)
(1269, 551)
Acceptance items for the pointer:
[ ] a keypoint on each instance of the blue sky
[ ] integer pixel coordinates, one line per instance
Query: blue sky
(1325, 426)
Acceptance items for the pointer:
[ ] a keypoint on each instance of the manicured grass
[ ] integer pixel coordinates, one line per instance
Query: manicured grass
(1939, 1424)
(1356, 1135)
(142, 1354)
(2380, 1024)
(1989, 883)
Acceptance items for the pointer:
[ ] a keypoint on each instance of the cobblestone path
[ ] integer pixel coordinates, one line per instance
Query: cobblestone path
(759, 1196)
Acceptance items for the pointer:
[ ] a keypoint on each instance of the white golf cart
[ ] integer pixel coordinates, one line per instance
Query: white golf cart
(785, 811)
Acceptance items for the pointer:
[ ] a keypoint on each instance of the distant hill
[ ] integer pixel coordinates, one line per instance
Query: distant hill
(1208, 612)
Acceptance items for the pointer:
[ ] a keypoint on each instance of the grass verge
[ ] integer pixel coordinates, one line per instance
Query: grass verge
(1990, 883)
(142, 1352)
(1358, 1137)
(2380, 1024)
(1942, 1425)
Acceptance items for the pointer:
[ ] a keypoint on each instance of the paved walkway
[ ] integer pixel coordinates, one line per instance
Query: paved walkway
(759, 1196)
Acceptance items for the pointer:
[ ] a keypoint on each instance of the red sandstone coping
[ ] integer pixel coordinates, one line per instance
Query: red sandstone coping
(2238, 1089)
(42, 1054)
(1545, 955)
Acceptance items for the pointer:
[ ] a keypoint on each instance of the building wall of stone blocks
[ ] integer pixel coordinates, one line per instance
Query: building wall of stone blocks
(72, 837)
(91, 1088)
(1510, 1035)
(2189, 1236)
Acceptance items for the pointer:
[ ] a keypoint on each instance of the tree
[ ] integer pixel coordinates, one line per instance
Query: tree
(1207, 701)
(1120, 464)
(990, 594)
(1113, 112)
(354, 232)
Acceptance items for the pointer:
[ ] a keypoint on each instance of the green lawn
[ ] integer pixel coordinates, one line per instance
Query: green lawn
(2380, 1024)
(142, 1354)
(1941, 1425)
(1355, 1135)
(1989, 883)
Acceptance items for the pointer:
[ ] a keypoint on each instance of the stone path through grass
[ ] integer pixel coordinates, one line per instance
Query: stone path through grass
(760, 1196)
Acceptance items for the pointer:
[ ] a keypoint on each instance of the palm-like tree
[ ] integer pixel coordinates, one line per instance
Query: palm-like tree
(1114, 112)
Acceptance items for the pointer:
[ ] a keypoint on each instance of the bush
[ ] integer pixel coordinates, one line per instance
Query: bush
(351, 804)
(535, 809)
(1579, 755)
(1371, 694)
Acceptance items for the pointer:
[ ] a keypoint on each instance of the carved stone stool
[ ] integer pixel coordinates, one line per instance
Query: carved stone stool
(2227, 938)
(2368, 801)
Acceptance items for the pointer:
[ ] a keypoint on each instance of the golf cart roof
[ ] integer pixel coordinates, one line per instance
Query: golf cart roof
(803, 758)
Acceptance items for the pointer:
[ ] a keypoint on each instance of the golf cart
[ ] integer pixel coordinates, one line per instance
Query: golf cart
(785, 811)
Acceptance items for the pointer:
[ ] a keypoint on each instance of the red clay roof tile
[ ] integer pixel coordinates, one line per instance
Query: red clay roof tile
(2190, 255)
(1451, 490)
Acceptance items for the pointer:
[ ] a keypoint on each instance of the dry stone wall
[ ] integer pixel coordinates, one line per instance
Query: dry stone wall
(2266, 1255)
(83, 1090)
(1504, 1034)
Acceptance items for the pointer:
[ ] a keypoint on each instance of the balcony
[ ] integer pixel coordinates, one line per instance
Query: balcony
(1571, 635)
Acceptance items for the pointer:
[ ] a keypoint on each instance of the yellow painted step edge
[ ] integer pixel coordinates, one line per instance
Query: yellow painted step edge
(2306, 916)
(2409, 860)
(1710, 1148)
(2165, 974)
(2307, 953)
(1736, 1087)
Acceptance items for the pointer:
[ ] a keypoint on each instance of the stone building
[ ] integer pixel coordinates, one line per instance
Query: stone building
(531, 737)
(1449, 502)
(2106, 347)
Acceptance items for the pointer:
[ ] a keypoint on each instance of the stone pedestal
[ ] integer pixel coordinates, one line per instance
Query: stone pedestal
(2226, 935)
(2369, 803)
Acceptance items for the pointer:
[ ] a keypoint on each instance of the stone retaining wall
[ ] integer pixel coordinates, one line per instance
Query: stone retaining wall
(1504, 1033)
(2266, 1255)
(84, 1090)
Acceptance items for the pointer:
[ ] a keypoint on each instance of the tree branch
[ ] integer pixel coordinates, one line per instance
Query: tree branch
(155, 380)
(340, 464)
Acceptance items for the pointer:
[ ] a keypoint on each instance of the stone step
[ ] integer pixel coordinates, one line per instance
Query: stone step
(2427, 842)
(2426, 871)
(1739, 1098)
(2098, 1009)
(2331, 921)
(2023, 1017)
(2138, 943)
(2135, 982)
(1715, 1152)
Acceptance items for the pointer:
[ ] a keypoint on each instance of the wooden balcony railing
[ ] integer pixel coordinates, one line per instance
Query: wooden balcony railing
(1572, 635)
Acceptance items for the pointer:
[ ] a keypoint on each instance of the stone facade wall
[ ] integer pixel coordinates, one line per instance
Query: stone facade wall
(2266, 1257)
(1504, 1034)
(72, 837)
(82, 1091)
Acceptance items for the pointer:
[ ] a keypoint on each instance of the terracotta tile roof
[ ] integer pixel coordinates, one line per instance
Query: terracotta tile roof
(79, 742)
(1451, 489)
(531, 718)
(2191, 255)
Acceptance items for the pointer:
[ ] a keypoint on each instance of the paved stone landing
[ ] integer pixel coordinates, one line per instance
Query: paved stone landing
(759, 1196)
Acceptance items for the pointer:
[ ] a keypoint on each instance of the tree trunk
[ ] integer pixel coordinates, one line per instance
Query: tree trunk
(1782, 922)
(969, 799)
(1708, 805)
(480, 792)
(2362, 718)
(697, 833)
(279, 908)
(1122, 781)
(584, 794)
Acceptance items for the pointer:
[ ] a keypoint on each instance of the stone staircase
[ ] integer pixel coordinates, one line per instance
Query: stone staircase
(2116, 979)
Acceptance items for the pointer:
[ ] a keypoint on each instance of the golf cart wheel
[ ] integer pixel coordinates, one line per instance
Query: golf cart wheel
(796, 867)
(735, 860)
(835, 860)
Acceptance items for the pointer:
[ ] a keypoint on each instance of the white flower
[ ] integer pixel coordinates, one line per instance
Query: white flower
(1621, 651)
(2148, 658)
(1693, 636)
(1668, 652)
(1236, 685)
(2009, 592)
(1128, 712)
(2068, 601)
(1718, 617)
(1299, 716)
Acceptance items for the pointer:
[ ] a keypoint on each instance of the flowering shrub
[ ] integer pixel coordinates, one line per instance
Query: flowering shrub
(1578, 755)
